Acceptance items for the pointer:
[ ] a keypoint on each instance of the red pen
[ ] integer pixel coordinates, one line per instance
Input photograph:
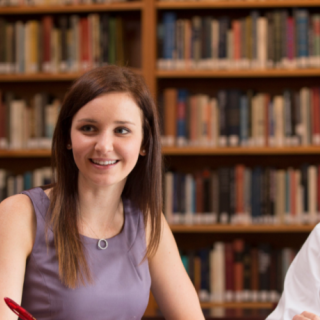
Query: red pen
(18, 310)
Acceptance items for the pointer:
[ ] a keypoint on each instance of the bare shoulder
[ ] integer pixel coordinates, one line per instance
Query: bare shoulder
(19, 204)
(17, 221)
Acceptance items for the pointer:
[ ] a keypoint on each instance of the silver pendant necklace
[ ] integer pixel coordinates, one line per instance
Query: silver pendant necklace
(102, 243)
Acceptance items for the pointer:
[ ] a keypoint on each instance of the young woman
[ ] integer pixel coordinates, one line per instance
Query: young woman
(91, 245)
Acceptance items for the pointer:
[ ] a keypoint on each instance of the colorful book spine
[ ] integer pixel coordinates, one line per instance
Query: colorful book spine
(242, 195)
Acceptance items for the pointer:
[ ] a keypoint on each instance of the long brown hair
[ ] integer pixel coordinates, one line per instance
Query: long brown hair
(143, 186)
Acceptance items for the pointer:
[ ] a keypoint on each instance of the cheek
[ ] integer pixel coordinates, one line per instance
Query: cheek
(80, 144)
(131, 150)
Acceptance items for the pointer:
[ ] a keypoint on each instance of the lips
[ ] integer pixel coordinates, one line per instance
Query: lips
(116, 161)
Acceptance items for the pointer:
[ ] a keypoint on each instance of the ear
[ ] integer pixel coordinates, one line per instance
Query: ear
(143, 152)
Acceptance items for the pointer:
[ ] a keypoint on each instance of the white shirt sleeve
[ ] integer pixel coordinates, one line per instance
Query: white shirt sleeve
(302, 282)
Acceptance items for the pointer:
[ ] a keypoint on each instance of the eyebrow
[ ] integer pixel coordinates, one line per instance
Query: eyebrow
(117, 121)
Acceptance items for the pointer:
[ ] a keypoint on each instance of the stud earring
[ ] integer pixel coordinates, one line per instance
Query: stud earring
(143, 151)
(69, 146)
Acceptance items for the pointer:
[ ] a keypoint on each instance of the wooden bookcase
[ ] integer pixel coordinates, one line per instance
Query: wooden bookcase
(148, 11)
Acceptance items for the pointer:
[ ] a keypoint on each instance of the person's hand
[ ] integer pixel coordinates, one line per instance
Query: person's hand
(305, 315)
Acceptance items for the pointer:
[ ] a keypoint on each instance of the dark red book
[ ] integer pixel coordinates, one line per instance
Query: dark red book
(315, 116)
(47, 24)
(238, 247)
(229, 271)
(84, 34)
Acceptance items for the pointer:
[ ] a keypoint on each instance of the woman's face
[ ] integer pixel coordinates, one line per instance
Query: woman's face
(106, 137)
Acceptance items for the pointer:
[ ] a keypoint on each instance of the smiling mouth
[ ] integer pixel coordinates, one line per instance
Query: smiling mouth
(104, 163)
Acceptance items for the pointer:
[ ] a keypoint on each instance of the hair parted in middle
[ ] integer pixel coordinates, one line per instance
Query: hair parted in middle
(144, 183)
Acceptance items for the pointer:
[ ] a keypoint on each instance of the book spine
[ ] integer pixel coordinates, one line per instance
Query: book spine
(181, 117)
(238, 247)
(169, 23)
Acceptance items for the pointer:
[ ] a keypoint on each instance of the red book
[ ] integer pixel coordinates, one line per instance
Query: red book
(90, 42)
(229, 276)
(315, 116)
(239, 188)
(84, 36)
(237, 37)
(47, 24)
(290, 38)
(238, 247)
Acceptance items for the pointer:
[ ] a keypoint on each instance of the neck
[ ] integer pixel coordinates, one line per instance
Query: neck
(101, 208)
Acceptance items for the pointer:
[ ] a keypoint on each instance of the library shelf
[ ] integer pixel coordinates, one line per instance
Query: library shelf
(48, 77)
(188, 151)
(43, 9)
(231, 4)
(224, 151)
(238, 73)
(241, 305)
(39, 153)
(252, 228)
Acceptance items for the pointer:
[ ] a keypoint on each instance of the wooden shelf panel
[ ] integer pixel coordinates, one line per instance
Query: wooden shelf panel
(174, 151)
(34, 77)
(269, 73)
(220, 228)
(242, 305)
(121, 6)
(235, 4)
(41, 153)
(240, 151)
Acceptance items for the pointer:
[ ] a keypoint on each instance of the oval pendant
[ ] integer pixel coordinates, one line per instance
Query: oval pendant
(103, 247)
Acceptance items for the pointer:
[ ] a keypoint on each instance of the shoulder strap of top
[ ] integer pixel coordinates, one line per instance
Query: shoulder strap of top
(39, 200)
(134, 225)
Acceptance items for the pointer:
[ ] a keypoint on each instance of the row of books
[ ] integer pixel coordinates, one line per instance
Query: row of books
(237, 271)
(10, 3)
(61, 44)
(11, 184)
(244, 195)
(276, 39)
(236, 118)
(28, 124)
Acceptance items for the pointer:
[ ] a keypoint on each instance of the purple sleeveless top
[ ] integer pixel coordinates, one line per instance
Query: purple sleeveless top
(121, 284)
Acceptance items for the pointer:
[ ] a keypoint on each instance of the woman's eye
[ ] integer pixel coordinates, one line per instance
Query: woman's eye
(87, 128)
(122, 130)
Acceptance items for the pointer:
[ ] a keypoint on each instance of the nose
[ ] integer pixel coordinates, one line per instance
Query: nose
(104, 143)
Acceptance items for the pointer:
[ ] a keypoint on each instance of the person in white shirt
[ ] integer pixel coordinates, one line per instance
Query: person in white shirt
(300, 299)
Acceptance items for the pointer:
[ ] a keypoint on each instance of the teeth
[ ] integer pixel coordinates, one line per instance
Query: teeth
(104, 163)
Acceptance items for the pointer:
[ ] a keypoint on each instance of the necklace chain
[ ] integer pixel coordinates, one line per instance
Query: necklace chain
(100, 238)
(90, 228)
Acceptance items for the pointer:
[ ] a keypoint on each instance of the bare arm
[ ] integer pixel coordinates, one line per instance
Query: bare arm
(171, 285)
(306, 316)
(17, 232)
